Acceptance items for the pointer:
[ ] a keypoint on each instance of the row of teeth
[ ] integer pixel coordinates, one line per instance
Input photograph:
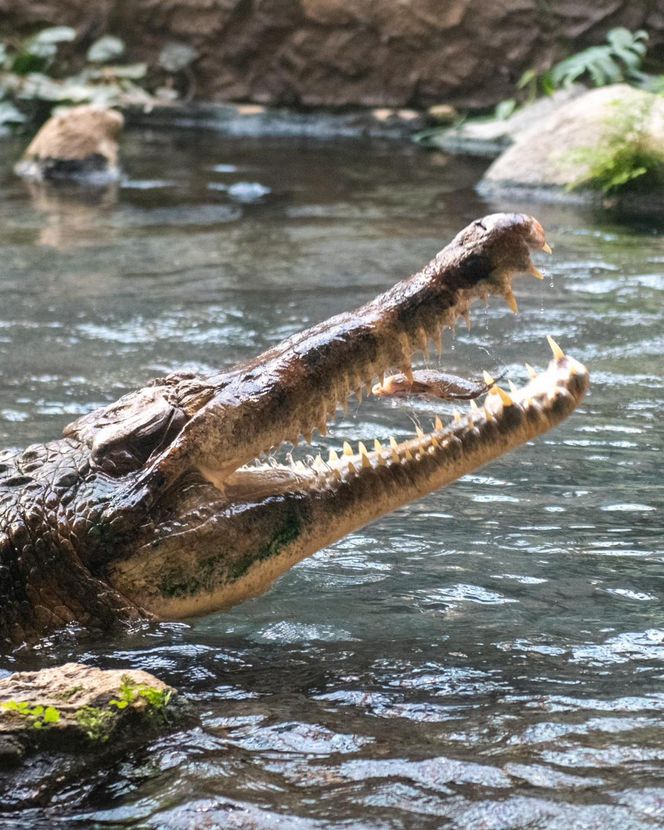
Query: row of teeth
(423, 342)
(347, 462)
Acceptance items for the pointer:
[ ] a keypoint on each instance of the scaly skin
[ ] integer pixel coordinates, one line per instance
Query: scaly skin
(156, 505)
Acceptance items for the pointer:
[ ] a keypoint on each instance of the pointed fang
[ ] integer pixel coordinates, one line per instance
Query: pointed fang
(512, 304)
(547, 248)
(558, 353)
(488, 379)
(438, 424)
(532, 374)
(503, 395)
(348, 450)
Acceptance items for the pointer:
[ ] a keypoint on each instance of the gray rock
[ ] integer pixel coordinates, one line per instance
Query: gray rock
(60, 724)
(552, 155)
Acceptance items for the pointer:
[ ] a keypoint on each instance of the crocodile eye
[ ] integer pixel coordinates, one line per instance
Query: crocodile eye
(126, 445)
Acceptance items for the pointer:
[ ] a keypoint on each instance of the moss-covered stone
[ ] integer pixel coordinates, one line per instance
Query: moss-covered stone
(61, 722)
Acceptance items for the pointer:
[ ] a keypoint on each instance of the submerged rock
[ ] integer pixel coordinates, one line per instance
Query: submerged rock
(562, 151)
(80, 144)
(60, 723)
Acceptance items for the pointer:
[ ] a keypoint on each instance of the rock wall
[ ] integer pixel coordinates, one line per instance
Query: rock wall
(351, 52)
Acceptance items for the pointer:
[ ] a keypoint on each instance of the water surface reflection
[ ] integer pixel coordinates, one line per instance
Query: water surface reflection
(490, 657)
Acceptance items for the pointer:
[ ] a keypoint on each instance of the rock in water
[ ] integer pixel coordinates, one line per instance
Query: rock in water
(557, 152)
(61, 723)
(80, 144)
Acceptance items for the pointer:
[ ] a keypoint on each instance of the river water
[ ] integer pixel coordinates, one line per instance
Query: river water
(490, 657)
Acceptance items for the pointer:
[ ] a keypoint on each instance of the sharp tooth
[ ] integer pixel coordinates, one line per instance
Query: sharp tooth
(435, 441)
(510, 299)
(348, 450)
(558, 353)
(438, 424)
(547, 248)
(395, 456)
(513, 389)
(352, 468)
(301, 467)
(535, 272)
(488, 379)
(365, 460)
(438, 339)
(488, 413)
(393, 443)
(474, 406)
(319, 464)
(420, 432)
(405, 347)
(502, 394)
(378, 447)
(408, 454)
(334, 458)
(362, 448)
(531, 372)
(395, 450)
(457, 416)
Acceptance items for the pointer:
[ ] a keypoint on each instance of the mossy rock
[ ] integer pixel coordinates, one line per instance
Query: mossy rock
(606, 143)
(59, 723)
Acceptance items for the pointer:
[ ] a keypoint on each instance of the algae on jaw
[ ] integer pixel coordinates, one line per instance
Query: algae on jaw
(626, 158)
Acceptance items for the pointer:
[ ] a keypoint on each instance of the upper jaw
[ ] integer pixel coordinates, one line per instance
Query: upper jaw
(297, 386)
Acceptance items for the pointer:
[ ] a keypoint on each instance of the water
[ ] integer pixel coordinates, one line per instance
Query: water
(490, 657)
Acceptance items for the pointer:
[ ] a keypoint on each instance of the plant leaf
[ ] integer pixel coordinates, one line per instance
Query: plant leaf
(107, 48)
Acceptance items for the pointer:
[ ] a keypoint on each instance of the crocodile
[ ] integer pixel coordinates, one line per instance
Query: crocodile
(171, 502)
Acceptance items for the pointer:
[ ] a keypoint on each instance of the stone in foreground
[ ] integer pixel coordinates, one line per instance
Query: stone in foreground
(58, 723)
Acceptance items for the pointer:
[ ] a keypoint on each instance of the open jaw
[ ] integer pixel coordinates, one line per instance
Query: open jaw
(223, 525)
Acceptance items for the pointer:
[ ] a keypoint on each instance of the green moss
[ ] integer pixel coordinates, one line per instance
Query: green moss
(38, 716)
(130, 691)
(626, 159)
(96, 722)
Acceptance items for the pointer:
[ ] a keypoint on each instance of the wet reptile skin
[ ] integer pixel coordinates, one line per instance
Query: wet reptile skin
(72, 507)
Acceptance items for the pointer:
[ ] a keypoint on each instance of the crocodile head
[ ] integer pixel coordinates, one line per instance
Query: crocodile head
(160, 504)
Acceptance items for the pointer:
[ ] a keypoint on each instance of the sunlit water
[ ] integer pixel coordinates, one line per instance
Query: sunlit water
(490, 657)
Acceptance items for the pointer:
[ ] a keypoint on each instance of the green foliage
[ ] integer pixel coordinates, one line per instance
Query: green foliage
(130, 692)
(626, 159)
(33, 71)
(39, 716)
(96, 722)
(619, 59)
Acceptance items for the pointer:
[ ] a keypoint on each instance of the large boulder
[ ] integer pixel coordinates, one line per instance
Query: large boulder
(59, 724)
(559, 153)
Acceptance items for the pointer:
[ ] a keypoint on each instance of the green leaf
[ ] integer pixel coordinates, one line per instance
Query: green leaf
(132, 71)
(107, 48)
(51, 715)
(175, 57)
(504, 109)
(54, 34)
(9, 114)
